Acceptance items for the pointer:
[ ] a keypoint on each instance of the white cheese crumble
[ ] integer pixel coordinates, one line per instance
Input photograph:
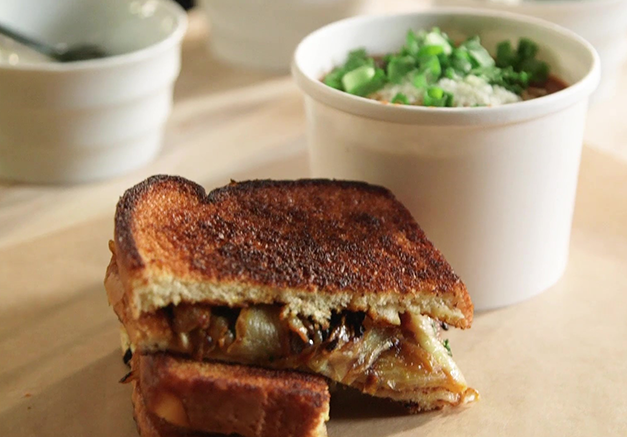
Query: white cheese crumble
(473, 90)
(468, 91)
(387, 93)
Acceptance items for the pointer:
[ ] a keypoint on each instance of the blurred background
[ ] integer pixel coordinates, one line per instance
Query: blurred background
(68, 123)
(202, 89)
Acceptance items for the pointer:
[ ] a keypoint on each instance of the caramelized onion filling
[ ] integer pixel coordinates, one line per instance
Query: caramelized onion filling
(351, 349)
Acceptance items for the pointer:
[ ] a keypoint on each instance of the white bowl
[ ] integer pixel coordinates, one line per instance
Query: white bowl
(264, 33)
(80, 121)
(493, 188)
(602, 22)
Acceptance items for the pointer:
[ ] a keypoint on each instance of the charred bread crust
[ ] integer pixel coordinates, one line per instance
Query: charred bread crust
(236, 399)
(149, 425)
(317, 236)
(125, 216)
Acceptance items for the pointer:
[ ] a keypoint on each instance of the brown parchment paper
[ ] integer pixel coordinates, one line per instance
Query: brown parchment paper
(555, 365)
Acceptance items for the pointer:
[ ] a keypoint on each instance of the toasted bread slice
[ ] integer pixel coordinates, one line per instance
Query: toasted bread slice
(174, 396)
(314, 246)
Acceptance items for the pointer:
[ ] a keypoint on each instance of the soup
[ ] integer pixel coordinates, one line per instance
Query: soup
(431, 70)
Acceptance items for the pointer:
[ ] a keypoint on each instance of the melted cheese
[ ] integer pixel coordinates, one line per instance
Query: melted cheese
(426, 336)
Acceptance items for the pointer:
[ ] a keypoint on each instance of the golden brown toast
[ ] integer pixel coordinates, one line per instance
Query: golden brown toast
(174, 396)
(315, 246)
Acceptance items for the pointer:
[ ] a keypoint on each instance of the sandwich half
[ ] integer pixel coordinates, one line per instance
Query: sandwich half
(327, 277)
(176, 397)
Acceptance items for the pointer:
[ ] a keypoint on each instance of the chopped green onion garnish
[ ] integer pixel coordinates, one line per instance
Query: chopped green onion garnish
(357, 78)
(448, 100)
(450, 73)
(479, 56)
(431, 67)
(334, 79)
(460, 60)
(420, 80)
(356, 59)
(398, 68)
(436, 39)
(435, 96)
(527, 49)
(538, 71)
(375, 84)
(400, 98)
(505, 55)
(411, 43)
(436, 92)
(430, 51)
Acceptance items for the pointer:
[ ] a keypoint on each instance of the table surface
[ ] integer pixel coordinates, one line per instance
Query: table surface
(554, 365)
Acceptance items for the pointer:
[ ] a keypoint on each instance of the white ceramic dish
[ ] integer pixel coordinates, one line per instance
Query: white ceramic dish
(494, 188)
(264, 33)
(602, 22)
(87, 120)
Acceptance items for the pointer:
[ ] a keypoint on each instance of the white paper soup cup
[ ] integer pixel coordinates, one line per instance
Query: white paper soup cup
(264, 33)
(493, 188)
(602, 22)
(80, 121)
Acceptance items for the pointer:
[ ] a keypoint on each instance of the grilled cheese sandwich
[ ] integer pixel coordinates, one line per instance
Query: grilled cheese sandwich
(326, 277)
